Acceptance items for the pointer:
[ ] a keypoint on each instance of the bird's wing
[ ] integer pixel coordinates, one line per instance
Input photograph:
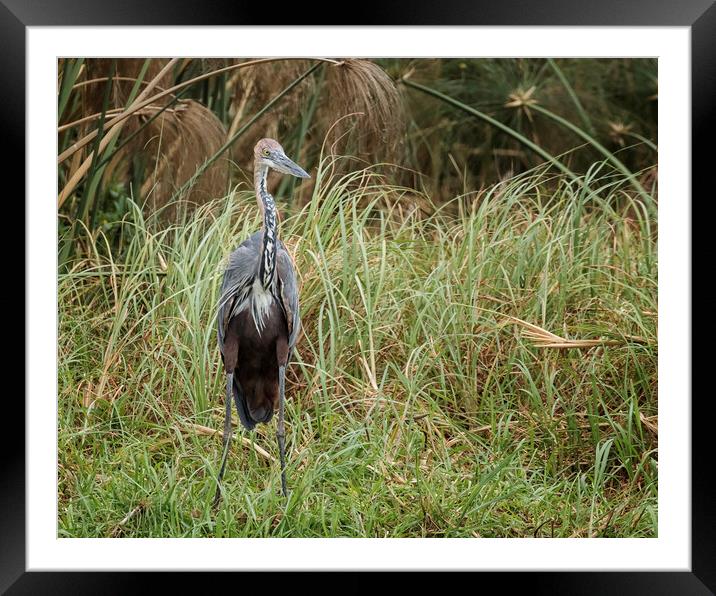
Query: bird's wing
(238, 276)
(288, 293)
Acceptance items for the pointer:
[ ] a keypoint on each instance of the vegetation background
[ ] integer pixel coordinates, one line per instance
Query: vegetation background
(478, 267)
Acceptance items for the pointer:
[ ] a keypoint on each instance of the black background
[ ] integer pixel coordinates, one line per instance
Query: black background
(16, 15)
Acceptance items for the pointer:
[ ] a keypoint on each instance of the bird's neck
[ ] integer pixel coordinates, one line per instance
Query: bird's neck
(267, 265)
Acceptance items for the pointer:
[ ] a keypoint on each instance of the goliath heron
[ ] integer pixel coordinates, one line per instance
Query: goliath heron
(258, 316)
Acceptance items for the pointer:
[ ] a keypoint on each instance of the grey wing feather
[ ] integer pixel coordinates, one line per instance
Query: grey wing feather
(288, 294)
(239, 274)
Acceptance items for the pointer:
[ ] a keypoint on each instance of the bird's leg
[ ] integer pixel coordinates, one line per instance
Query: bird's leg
(280, 432)
(227, 436)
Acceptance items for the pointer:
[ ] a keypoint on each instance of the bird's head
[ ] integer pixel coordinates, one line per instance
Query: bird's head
(270, 154)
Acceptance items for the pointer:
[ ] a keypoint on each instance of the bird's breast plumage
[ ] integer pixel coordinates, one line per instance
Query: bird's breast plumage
(260, 299)
(243, 289)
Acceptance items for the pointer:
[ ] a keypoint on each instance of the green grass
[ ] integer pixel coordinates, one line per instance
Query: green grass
(416, 407)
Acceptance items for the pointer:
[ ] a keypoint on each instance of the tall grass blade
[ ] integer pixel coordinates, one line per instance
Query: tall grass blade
(601, 148)
(70, 71)
(504, 128)
(572, 95)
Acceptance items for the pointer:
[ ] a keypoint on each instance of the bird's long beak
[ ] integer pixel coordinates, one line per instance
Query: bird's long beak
(285, 165)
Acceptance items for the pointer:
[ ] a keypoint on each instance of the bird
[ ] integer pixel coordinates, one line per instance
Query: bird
(258, 315)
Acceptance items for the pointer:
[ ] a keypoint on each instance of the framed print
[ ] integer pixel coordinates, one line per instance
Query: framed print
(399, 295)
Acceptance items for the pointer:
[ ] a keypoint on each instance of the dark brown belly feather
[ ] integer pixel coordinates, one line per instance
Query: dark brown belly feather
(257, 364)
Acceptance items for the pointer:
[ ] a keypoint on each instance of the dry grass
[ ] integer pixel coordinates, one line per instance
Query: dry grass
(362, 88)
(173, 146)
(541, 338)
(127, 71)
(169, 149)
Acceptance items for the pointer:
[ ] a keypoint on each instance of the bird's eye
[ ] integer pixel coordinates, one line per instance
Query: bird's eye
(266, 152)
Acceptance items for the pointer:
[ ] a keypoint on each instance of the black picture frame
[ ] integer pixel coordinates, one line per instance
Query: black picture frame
(699, 15)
